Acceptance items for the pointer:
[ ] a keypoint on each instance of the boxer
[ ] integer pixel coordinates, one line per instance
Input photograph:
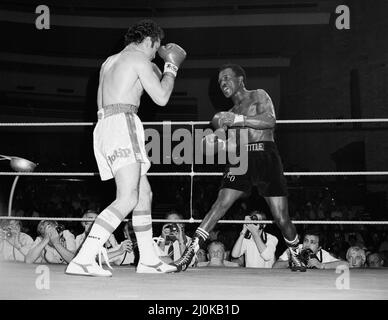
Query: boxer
(253, 110)
(119, 143)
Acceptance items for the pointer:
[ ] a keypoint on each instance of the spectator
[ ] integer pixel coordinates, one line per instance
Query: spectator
(53, 244)
(313, 256)
(375, 260)
(201, 255)
(255, 244)
(356, 257)
(216, 256)
(173, 240)
(118, 254)
(14, 244)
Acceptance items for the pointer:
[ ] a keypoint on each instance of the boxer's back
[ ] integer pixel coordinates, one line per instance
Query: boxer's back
(119, 82)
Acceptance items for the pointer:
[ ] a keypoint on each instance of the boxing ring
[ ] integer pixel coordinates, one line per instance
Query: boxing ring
(21, 281)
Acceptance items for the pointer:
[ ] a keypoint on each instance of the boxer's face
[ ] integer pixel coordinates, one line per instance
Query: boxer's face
(229, 83)
(153, 48)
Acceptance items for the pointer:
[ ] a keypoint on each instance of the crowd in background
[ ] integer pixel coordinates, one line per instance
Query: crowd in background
(56, 242)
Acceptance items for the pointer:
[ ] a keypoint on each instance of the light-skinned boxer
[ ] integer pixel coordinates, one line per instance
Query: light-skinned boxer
(119, 143)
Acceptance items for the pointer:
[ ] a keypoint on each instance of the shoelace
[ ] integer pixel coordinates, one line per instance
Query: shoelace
(104, 253)
(185, 257)
(294, 258)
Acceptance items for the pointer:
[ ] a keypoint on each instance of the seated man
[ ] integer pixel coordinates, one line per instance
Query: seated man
(14, 244)
(311, 254)
(356, 257)
(216, 256)
(118, 254)
(375, 260)
(257, 245)
(53, 245)
(173, 240)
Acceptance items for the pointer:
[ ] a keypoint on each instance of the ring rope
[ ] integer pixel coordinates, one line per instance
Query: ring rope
(295, 121)
(350, 222)
(192, 173)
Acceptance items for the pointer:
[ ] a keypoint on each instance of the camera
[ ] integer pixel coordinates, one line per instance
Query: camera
(60, 228)
(306, 255)
(7, 232)
(170, 231)
(253, 217)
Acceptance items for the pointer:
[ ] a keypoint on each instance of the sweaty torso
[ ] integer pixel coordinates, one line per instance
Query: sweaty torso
(252, 106)
(119, 81)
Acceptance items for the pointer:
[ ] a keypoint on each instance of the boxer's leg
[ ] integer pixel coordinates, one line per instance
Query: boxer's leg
(149, 262)
(226, 198)
(279, 210)
(127, 194)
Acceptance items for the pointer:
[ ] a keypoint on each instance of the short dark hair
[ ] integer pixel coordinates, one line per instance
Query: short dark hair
(313, 231)
(143, 29)
(254, 212)
(237, 69)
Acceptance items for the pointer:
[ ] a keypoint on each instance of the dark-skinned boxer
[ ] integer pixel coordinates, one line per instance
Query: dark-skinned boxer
(252, 110)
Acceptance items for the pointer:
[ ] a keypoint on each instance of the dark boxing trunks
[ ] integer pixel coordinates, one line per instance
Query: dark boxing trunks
(265, 170)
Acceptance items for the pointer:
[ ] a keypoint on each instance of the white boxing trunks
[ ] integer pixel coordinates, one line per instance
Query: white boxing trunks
(119, 140)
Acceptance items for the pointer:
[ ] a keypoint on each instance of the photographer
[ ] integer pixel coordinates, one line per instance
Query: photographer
(311, 254)
(257, 245)
(173, 239)
(53, 245)
(14, 244)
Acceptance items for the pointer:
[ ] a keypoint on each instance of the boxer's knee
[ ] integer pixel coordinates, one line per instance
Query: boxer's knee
(281, 216)
(127, 201)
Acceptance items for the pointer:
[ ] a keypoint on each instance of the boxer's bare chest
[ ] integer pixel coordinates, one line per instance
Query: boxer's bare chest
(250, 107)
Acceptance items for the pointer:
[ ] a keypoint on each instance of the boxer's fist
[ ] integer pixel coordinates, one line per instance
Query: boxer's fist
(173, 56)
(227, 119)
(157, 71)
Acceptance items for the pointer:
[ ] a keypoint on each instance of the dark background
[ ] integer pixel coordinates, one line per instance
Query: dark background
(292, 49)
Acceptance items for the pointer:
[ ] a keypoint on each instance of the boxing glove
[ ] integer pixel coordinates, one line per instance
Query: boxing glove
(227, 119)
(173, 56)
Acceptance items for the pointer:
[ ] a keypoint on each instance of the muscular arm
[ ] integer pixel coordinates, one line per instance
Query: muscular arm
(158, 90)
(265, 114)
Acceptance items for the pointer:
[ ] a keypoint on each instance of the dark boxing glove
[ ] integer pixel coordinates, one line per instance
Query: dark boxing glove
(173, 56)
